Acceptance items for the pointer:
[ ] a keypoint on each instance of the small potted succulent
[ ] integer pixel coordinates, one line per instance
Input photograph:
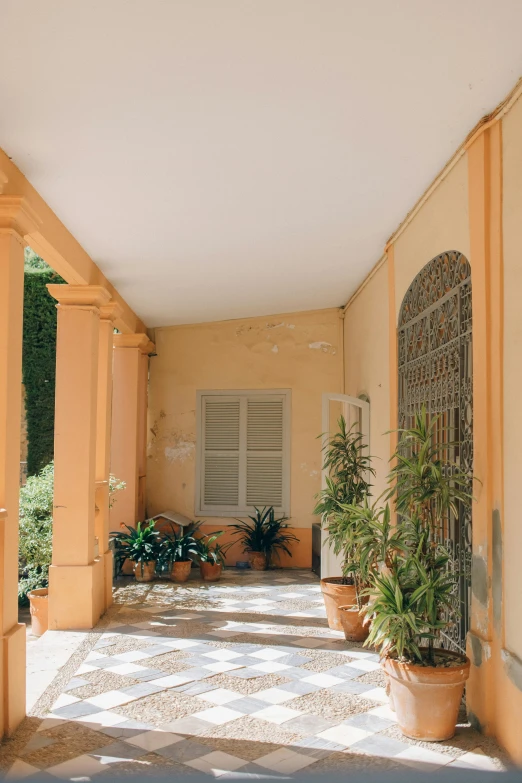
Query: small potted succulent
(211, 556)
(414, 598)
(349, 469)
(178, 550)
(263, 537)
(139, 545)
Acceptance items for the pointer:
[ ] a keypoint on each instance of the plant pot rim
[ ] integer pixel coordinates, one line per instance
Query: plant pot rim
(401, 670)
(335, 580)
(39, 592)
(349, 608)
(175, 562)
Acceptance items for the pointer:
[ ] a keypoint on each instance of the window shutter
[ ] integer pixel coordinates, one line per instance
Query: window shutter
(264, 454)
(221, 421)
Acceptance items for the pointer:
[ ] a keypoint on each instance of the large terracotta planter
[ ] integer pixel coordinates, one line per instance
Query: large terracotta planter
(258, 561)
(148, 573)
(210, 572)
(353, 624)
(427, 698)
(181, 570)
(39, 608)
(335, 595)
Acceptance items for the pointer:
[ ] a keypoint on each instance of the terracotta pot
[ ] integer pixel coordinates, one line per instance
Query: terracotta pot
(352, 624)
(427, 698)
(181, 570)
(148, 573)
(258, 561)
(210, 572)
(388, 692)
(39, 608)
(335, 595)
(127, 568)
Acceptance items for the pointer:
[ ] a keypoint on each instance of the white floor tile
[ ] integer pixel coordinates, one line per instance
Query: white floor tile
(64, 700)
(125, 668)
(171, 681)
(275, 695)
(97, 719)
(268, 654)
(20, 769)
(323, 680)
(221, 696)
(477, 758)
(222, 666)
(217, 763)
(344, 735)
(132, 656)
(285, 760)
(276, 714)
(270, 667)
(222, 655)
(154, 740)
(418, 757)
(376, 694)
(218, 715)
(110, 699)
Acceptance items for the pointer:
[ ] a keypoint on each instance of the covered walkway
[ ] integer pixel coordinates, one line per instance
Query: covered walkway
(243, 676)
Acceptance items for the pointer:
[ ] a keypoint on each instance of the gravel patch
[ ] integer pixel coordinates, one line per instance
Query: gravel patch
(377, 678)
(71, 740)
(332, 706)
(160, 708)
(101, 681)
(466, 739)
(247, 687)
(240, 734)
(171, 662)
(322, 660)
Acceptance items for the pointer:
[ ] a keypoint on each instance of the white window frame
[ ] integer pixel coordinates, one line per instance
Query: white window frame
(202, 510)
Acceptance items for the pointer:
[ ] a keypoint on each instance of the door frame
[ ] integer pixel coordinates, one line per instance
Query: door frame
(330, 563)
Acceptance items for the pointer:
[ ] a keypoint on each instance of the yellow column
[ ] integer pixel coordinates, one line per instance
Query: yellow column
(129, 421)
(16, 221)
(76, 578)
(108, 313)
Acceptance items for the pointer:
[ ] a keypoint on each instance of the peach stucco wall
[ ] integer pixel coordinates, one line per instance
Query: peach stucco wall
(464, 212)
(442, 224)
(301, 352)
(512, 135)
(366, 338)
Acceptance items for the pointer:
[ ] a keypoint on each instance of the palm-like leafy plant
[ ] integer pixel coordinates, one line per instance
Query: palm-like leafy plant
(140, 544)
(179, 547)
(264, 533)
(209, 550)
(347, 487)
(414, 598)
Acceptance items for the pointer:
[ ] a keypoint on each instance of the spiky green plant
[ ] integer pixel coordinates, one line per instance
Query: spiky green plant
(140, 544)
(210, 551)
(179, 546)
(413, 599)
(265, 533)
(347, 485)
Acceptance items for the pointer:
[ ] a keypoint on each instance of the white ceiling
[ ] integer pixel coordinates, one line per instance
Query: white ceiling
(227, 158)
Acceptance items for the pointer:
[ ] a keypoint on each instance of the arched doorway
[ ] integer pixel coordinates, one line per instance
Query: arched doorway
(435, 370)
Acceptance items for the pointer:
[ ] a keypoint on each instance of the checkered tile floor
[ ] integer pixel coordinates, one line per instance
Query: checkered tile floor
(241, 678)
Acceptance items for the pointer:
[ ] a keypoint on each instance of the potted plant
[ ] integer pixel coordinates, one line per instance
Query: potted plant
(263, 537)
(347, 484)
(141, 546)
(211, 556)
(178, 550)
(370, 542)
(414, 598)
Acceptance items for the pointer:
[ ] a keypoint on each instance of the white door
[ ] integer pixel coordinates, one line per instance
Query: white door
(355, 411)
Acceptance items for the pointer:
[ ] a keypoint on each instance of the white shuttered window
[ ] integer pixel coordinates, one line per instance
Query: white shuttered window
(243, 451)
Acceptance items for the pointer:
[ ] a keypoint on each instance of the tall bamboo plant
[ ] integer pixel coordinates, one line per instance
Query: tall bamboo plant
(414, 598)
(347, 486)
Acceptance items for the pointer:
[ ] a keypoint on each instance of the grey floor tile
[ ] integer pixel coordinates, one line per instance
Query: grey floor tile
(351, 686)
(76, 710)
(379, 745)
(247, 705)
(300, 687)
(308, 725)
(141, 689)
(369, 722)
(148, 674)
(119, 749)
(186, 750)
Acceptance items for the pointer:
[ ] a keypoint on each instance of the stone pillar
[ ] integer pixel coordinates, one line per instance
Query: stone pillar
(108, 313)
(16, 221)
(129, 422)
(76, 577)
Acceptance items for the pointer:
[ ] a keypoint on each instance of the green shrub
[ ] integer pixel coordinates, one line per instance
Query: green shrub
(35, 537)
(36, 529)
(39, 361)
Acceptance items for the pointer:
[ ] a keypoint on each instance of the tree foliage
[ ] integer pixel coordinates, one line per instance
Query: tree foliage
(39, 361)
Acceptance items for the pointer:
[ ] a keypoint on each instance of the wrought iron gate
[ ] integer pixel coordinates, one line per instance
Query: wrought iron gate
(435, 370)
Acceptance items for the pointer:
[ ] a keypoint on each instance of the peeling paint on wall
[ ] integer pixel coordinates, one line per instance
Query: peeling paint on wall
(322, 346)
(181, 452)
(275, 349)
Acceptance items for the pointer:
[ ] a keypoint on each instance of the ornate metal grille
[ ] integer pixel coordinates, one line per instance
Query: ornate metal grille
(435, 370)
